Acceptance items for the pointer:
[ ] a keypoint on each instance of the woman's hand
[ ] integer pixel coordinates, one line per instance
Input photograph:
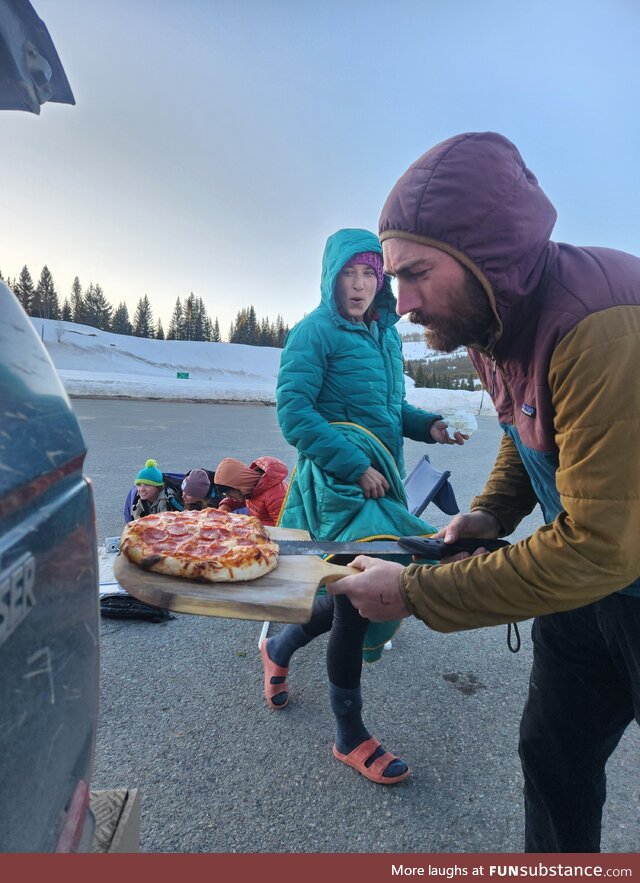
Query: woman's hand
(373, 483)
(439, 434)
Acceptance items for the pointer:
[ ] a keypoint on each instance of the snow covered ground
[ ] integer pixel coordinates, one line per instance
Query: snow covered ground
(93, 363)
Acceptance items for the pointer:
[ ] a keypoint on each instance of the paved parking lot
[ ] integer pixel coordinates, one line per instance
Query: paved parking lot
(183, 717)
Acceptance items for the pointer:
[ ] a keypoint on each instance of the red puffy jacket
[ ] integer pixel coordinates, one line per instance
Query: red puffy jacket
(265, 501)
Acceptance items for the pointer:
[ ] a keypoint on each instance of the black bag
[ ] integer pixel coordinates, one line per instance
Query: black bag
(118, 605)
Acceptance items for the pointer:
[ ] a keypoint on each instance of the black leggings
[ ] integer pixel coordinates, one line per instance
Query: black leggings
(347, 628)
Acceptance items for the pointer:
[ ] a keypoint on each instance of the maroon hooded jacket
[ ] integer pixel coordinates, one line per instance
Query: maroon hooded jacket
(561, 370)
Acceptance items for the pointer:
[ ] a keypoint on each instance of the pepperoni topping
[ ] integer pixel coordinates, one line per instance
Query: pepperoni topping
(211, 551)
(155, 534)
(179, 530)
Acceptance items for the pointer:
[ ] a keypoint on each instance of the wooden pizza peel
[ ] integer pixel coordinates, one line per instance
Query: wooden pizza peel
(284, 595)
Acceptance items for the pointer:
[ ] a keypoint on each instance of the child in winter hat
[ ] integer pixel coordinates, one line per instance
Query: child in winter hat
(236, 479)
(150, 475)
(196, 487)
(261, 487)
(150, 485)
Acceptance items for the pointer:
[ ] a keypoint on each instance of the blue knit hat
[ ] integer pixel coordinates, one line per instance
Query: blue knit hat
(150, 475)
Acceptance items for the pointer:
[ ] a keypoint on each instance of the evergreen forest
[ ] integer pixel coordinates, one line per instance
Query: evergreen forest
(190, 319)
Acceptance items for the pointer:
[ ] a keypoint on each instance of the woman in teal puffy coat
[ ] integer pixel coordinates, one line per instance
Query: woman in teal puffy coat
(340, 394)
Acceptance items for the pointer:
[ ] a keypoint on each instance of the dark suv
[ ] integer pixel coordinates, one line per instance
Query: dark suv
(48, 559)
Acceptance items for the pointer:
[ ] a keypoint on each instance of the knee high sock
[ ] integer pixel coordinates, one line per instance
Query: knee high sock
(344, 666)
(346, 705)
(344, 650)
(282, 646)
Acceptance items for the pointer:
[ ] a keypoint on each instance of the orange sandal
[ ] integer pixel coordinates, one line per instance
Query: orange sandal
(358, 757)
(271, 670)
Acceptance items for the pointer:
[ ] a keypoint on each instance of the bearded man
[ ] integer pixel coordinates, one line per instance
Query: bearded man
(554, 333)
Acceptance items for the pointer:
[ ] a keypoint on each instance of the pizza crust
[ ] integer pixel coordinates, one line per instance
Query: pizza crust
(206, 545)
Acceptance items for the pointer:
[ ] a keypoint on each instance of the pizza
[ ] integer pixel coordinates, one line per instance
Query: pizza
(206, 545)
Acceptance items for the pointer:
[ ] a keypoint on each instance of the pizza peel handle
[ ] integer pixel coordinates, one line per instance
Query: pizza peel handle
(330, 573)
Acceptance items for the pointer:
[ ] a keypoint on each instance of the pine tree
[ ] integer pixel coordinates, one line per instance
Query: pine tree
(253, 328)
(248, 329)
(159, 330)
(24, 289)
(236, 330)
(199, 319)
(77, 302)
(45, 301)
(215, 332)
(176, 324)
(266, 333)
(121, 324)
(194, 318)
(202, 323)
(98, 310)
(143, 318)
(281, 332)
(67, 315)
(188, 317)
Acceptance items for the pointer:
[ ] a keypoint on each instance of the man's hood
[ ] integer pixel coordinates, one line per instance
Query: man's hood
(340, 248)
(473, 197)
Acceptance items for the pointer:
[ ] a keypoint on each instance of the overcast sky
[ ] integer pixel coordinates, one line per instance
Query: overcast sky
(216, 144)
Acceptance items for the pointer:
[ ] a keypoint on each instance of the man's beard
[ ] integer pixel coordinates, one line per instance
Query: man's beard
(471, 325)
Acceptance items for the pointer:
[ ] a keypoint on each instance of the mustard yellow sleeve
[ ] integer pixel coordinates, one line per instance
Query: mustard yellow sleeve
(592, 548)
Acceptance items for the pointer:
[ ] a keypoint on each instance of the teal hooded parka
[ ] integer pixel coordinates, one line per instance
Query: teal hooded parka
(334, 370)
(341, 402)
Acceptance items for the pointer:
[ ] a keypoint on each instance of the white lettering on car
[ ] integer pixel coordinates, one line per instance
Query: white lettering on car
(16, 594)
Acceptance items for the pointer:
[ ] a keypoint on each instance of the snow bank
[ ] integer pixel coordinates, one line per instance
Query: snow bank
(93, 363)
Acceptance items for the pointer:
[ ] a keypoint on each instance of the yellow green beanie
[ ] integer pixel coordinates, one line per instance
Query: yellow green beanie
(150, 475)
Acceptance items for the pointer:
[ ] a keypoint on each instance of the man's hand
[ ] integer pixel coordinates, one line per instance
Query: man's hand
(373, 484)
(468, 524)
(438, 432)
(375, 593)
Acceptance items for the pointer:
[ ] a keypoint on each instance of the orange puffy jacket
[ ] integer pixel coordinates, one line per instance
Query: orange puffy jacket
(265, 500)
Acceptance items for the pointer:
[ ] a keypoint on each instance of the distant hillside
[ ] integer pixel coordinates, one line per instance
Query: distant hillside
(97, 363)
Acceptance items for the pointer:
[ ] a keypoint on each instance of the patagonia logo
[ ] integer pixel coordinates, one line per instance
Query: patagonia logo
(529, 410)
